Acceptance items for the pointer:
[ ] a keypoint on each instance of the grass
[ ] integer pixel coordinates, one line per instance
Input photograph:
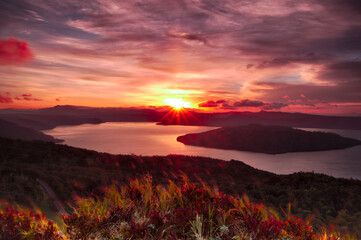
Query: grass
(143, 210)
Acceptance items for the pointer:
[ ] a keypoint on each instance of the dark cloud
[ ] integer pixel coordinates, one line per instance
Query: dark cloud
(342, 72)
(302, 36)
(250, 65)
(259, 104)
(343, 7)
(14, 51)
(228, 106)
(213, 103)
(208, 104)
(248, 103)
(273, 106)
(341, 82)
(28, 97)
(224, 104)
(308, 58)
(190, 37)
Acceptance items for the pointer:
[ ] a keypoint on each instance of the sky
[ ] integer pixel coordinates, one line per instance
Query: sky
(219, 55)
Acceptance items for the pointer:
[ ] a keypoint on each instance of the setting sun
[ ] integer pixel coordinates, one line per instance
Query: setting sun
(177, 103)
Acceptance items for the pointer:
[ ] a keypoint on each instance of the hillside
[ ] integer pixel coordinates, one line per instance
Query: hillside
(14, 131)
(72, 172)
(143, 210)
(268, 139)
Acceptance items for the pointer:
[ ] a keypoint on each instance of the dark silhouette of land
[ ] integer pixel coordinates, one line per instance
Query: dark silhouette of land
(48, 118)
(235, 118)
(268, 139)
(14, 131)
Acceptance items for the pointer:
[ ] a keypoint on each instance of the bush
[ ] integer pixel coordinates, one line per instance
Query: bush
(25, 224)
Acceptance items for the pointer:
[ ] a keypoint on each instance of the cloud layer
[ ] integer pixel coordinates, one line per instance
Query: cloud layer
(138, 53)
(7, 98)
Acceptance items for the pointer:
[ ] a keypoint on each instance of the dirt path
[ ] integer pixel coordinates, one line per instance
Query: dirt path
(52, 195)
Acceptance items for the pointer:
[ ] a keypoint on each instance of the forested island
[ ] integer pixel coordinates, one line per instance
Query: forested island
(268, 139)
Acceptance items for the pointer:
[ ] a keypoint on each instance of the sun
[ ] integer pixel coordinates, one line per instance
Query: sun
(177, 103)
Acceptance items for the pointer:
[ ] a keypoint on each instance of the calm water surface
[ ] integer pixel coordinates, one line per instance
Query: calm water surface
(151, 139)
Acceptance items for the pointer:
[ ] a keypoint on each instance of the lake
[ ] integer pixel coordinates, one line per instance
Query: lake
(151, 139)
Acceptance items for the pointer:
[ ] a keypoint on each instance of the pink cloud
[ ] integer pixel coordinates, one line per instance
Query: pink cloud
(6, 98)
(14, 51)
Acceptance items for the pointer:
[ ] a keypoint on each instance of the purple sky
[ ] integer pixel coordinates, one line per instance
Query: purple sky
(282, 55)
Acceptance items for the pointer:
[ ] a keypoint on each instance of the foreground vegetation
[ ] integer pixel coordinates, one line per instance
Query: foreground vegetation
(142, 210)
(73, 172)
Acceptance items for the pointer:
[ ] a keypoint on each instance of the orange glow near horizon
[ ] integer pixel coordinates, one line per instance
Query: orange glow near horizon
(177, 103)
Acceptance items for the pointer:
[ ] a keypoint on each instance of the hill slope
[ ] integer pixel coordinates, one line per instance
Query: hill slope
(142, 210)
(14, 131)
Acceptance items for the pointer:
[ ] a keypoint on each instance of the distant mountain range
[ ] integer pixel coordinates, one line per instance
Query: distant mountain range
(48, 118)
(267, 139)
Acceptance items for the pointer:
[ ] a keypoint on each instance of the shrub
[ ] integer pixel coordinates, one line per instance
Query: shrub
(145, 211)
(25, 224)
(142, 210)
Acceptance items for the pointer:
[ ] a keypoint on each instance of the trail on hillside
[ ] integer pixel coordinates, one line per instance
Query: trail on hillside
(52, 195)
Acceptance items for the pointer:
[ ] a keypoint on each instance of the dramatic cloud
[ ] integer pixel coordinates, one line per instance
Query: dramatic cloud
(13, 51)
(279, 55)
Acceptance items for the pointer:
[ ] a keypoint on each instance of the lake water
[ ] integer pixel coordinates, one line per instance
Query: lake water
(151, 139)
